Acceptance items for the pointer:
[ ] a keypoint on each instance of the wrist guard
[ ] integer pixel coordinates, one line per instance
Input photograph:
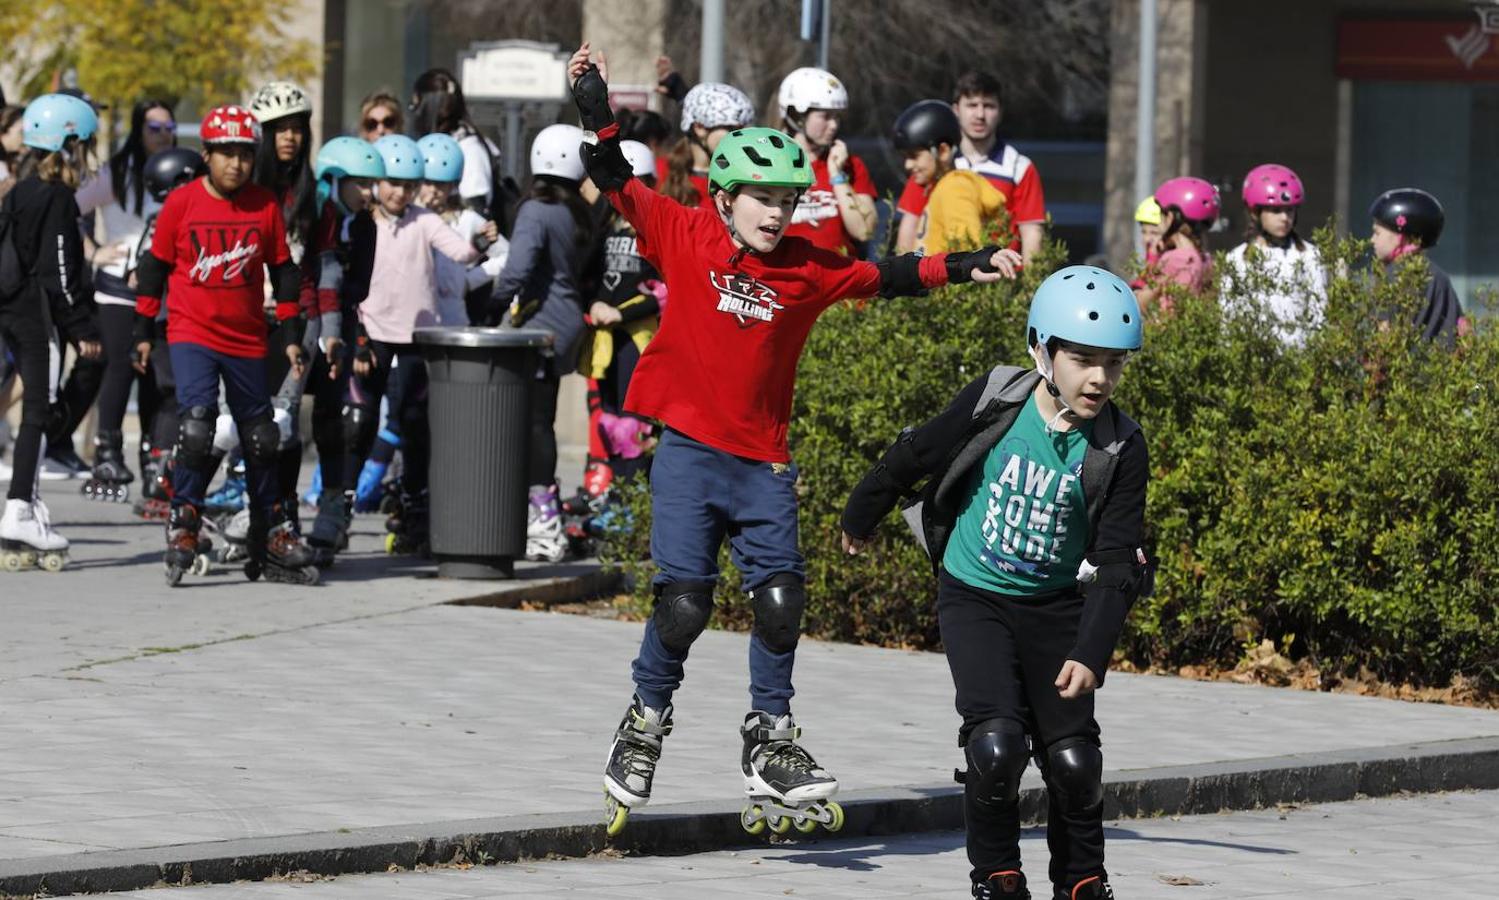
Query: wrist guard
(591, 95)
(960, 266)
(143, 330)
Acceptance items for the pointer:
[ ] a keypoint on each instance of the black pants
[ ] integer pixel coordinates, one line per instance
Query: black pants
(1005, 654)
(75, 397)
(115, 325)
(544, 426)
(400, 376)
(26, 327)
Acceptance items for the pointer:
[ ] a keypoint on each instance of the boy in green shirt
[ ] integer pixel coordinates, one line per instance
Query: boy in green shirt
(1033, 515)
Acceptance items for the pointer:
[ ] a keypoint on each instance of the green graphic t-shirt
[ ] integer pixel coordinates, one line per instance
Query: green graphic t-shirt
(1024, 528)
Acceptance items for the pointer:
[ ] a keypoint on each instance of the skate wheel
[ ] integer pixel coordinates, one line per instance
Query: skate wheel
(201, 565)
(390, 544)
(752, 819)
(310, 575)
(837, 812)
(618, 814)
(11, 562)
(806, 826)
(174, 575)
(53, 562)
(780, 824)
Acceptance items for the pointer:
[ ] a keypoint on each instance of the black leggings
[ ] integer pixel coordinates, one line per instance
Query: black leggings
(1005, 654)
(544, 426)
(27, 330)
(75, 397)
(115, 324)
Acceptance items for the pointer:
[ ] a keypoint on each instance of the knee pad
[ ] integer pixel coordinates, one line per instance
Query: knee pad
(262, 440)
(359, 428)
(225, 435)
(1074, 770)
(778, 605)
(195, 436)
(997, 752)
(681, 613)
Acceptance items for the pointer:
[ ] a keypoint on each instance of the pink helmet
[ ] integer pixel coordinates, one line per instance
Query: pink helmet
(1196, 199)
(1272, 185)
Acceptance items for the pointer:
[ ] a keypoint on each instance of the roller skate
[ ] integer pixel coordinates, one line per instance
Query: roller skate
(546, 540)
(1094, 887)
(156, 484)
(406, 530)
(27, 539)
(1006, 885)
(276, 550)
(186, 550)
(784, 784)
(235, 530)
(314, 494)
(110, 480)
(230, 497)
(330, 530)
(632, 762)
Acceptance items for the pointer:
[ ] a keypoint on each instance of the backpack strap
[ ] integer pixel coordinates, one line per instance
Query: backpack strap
(1007, 383)
(1110, 433)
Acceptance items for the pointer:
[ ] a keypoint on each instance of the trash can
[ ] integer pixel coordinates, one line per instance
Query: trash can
(479, 407)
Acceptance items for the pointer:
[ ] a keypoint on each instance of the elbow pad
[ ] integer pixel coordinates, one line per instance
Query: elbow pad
(151, 276)
(900, 276)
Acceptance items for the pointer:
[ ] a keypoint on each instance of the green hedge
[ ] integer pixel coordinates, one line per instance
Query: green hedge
(1339, 498)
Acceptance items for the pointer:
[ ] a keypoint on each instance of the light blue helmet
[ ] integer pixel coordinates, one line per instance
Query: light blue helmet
(344, 157)
(402, 157)
(53, 118)
(442, 158)
(1085, 305)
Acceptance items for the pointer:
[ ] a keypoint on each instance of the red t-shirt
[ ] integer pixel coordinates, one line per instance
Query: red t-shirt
(1009, 170)
(217, 251)
(663, 167)
(722, 368)
(817, 217)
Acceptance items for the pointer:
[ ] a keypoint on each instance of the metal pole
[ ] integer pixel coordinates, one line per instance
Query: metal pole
(712, 51)
(1145, 110)
(822, 47)
(513, 150)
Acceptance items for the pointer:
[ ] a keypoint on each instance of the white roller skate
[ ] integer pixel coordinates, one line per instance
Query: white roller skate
(632, 762)
(785, 785)
(27, 538)
(546, 539)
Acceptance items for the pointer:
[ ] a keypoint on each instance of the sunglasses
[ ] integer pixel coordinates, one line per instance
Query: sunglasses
(162, 127)
(372, 124)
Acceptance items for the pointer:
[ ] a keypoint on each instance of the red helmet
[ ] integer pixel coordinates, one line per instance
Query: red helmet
(229, 125)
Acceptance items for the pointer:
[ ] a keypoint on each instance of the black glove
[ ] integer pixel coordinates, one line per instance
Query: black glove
(960, 266)
(363, 352)
(291, 331)
(592, 96)
(676, 86)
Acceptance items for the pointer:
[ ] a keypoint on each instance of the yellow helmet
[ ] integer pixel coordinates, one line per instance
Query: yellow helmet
(1148, 212)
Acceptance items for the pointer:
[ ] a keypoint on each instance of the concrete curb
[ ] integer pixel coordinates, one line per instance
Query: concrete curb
(573, 583)
(688, 827)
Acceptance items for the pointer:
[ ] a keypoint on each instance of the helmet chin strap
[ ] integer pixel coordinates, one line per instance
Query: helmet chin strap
(728, 221)
(1048, 374)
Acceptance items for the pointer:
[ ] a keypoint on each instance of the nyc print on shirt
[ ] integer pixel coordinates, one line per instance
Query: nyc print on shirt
(222, 251)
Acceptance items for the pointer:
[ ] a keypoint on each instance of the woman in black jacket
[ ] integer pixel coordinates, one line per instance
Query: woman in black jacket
(50, 290)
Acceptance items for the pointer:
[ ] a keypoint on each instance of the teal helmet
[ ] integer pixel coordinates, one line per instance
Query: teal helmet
(1088, 306)
(51, 119)
(344, 157)
(442, 158)
(402, 157)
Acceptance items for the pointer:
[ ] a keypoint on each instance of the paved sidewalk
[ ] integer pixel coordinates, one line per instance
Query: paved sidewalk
(1410, 848)
(138, 717)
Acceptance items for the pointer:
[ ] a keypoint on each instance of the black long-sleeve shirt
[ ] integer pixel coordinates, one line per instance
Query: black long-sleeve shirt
(50, 248)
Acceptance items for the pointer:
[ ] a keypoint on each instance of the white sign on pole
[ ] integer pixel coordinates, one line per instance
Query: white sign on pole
(514, 70)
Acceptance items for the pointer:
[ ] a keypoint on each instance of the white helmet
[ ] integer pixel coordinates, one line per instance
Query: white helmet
(556, 152)
(808, 88)
(279, 99)
(713, 104)
(642, 160)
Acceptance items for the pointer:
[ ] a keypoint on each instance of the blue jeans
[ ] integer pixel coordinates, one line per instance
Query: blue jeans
(699, 496)
(197, 370)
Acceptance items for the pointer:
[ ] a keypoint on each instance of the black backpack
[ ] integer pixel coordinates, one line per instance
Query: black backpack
(12, 270)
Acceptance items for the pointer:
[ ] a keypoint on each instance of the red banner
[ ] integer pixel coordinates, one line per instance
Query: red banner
(1457, 49)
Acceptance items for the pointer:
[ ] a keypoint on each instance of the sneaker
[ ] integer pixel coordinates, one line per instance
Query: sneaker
(1006, 885)
(65, 459)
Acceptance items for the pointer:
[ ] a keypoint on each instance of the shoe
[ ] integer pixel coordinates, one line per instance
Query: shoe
(64, 458)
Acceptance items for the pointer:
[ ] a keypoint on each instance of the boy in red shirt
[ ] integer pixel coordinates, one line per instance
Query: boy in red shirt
(720, 375)
(837, 212)
(215, 240)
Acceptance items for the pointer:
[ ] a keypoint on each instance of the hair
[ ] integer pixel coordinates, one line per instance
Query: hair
(547, 189)
(644, 126)
(128, 164)
(678, 184)
(65, 166)
(386, 99)
(1180, 224)
(974, 83)
(1252, 231)
(438, 105)
(9, 114)
(292, 179)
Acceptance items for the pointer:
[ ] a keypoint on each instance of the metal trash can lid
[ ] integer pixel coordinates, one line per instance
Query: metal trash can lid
(484, 337)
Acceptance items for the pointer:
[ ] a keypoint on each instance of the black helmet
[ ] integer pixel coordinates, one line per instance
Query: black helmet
(171, 168)
(1411, 212)
(926, 124)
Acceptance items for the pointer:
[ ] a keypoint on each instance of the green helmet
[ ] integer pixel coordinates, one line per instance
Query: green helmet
(758, 156)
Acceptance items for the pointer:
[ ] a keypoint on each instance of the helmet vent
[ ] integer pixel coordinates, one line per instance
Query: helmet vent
(737, 133)
(1126, 318)
(723, 163)
(756, 158)
(1069, 276)
(1090, 285)
(1093, 316)
(776, 142)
